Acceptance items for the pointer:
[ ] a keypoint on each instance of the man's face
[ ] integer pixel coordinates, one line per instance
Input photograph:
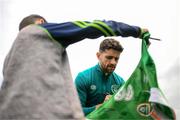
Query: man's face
(108, 60)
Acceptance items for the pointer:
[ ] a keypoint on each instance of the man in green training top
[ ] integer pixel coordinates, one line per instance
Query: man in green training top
(96, 84)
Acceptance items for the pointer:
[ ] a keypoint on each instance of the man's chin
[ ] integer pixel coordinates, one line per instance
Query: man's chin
(110, 71)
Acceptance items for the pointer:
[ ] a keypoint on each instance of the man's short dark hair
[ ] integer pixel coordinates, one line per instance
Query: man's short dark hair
(29, 20)
(110, 43)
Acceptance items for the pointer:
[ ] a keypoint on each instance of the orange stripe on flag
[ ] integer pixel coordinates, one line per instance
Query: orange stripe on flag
(155, 116)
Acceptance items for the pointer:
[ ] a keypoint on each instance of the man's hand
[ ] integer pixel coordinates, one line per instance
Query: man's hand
(145, 35)
(97, 106)
(143, 30)
(106, 98)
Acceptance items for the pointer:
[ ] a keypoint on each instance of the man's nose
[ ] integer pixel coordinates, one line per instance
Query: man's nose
(113, 61)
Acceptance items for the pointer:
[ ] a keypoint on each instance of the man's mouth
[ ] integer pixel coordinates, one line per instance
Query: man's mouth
(112, 67)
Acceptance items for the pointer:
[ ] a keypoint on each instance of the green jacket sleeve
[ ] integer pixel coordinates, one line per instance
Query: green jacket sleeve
(82, 92)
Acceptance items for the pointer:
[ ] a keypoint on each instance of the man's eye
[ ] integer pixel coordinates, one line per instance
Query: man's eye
(109, 57)
(116, 59)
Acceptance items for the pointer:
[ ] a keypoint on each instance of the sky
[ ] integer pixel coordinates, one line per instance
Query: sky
(161, 17)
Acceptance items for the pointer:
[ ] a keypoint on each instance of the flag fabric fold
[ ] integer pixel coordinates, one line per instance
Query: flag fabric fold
(140, 98)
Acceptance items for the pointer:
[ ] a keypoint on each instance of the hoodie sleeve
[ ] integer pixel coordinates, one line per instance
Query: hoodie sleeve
(71, 32)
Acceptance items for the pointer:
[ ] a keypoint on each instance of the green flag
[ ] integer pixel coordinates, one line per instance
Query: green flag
(140, 98)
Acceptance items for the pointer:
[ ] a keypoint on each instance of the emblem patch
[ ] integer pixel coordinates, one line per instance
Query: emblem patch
(129, 93)
(124, 94)
(93, 87)
(144, 109)
(115, 88)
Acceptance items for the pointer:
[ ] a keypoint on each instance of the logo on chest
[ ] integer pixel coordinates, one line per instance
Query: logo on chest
(93, 87)
(114, 88)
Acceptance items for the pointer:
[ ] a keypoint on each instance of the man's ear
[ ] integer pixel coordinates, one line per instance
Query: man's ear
(98, 55)
(40, 21)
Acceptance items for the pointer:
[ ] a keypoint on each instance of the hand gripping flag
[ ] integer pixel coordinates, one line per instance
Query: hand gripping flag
(140, 98)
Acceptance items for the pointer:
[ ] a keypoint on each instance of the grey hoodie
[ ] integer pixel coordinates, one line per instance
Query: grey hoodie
(37, 80)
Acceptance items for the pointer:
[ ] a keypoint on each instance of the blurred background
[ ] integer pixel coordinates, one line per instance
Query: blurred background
(161, 17)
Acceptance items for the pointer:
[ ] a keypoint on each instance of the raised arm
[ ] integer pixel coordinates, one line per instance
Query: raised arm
(71, 32)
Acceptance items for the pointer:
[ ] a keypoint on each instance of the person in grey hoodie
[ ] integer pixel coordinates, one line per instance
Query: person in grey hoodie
(37, 78)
